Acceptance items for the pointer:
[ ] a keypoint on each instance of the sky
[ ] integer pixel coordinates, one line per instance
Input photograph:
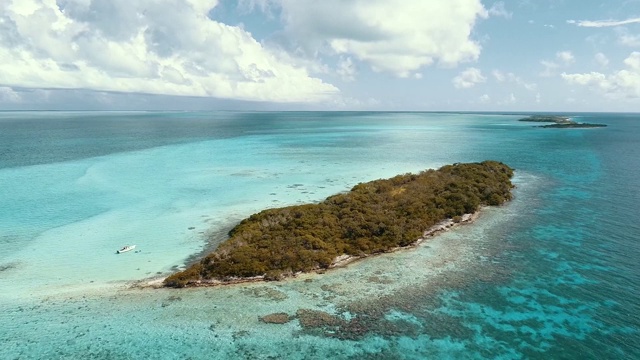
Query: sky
(395, 55)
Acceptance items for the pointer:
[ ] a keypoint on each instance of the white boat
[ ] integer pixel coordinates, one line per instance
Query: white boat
(125, 249)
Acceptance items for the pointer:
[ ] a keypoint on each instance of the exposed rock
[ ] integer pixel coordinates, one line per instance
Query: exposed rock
(342, 260)
(276, 318)
(316, 318)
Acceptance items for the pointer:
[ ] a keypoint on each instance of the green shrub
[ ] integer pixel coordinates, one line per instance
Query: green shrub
(373, 217)
(183, 278)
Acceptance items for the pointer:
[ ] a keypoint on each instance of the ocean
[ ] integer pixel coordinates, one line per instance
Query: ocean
(552, 274)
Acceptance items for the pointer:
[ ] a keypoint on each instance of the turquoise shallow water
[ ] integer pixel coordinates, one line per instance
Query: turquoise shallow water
(554, 274)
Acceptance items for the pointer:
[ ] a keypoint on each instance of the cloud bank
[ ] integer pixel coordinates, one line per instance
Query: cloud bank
(166, 47)
(623, 84)
(396, 36)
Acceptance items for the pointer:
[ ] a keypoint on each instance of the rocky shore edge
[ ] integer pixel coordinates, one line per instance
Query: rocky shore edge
(338, 262)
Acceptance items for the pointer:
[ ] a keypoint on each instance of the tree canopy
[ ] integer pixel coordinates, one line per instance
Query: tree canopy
(373, 217)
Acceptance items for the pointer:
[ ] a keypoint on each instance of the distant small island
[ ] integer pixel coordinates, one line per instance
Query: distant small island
(559, 122)
(374, 217)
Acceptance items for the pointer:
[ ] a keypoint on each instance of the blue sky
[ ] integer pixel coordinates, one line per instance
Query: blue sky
(452, 55)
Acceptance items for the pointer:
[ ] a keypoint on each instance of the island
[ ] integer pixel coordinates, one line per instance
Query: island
(559, 122)
(372, 218)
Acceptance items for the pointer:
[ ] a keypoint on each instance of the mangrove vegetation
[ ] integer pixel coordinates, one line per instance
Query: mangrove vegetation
(373, 217)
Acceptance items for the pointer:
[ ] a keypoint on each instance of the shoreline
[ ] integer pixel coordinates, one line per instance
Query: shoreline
(559, 122)
(339, 262)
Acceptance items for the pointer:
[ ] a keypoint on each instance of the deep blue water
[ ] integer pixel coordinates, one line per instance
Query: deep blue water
(554, 274)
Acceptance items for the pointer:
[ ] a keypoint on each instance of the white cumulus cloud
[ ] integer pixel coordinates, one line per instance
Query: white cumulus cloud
(513, 78)
(621, 84)
(566, 57)
(468, 78)
(563, 58)
(163, 47)
(633, 61)
(397, 36)
(629, 40)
